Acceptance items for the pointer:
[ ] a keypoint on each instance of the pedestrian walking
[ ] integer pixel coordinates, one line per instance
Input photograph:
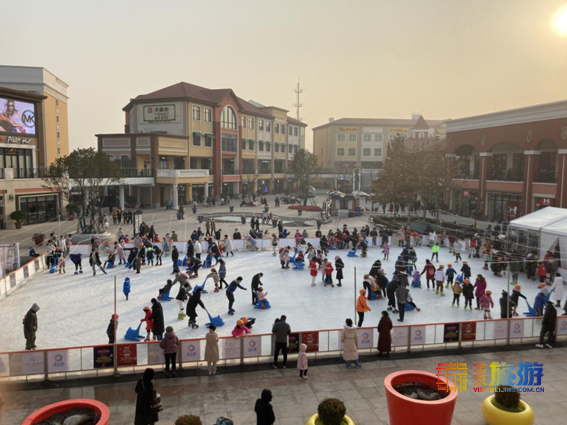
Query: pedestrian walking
(30, 327)
(548, 324)
(146, 394)
(384, 334)
(264, 410)
(303, 362)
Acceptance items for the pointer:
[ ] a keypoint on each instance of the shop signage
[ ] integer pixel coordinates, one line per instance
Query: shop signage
(32, 363)
(468, 331)
(451, 332)
(545, 202)
(348, 129)
(154, 113)
(15, 139)
(398, 130)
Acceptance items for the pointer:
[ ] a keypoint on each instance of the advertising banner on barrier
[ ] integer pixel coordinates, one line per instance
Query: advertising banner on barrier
(417, 335)
(4, 365)
(155, 354)
(365, 338)
(231, 348)
(451, 332)
(468, 331)
(294, 342)
(517, 329)
(127, 355)
(103, 356)
(500, 330)
(191, 351)
(311, 339)
(58, 361)
(400, 336)
(252, 346)
(562, 326)
(32, 363)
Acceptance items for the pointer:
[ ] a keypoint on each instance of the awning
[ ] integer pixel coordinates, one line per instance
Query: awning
(260, 141)
(252, 140)
(268, 143)
(244, 140)
(197, 133)
(210, 135)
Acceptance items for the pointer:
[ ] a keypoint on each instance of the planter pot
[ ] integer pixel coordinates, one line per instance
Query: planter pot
(19, 224)
(494, 416)
(47, 411)
(71, 217)
(404, 410)
(313, 420)
(38, 240)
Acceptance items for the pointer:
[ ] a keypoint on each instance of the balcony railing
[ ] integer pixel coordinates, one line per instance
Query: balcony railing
(230, 172)
(178, 174)
(464, 175)
(507, 176)
(22, 173)
(545, 176)
(136, 172)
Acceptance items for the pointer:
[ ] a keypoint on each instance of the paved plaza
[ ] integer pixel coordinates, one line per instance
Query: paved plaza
(233, 394)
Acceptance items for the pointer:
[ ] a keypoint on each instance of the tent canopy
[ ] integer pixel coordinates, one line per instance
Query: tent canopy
(538, 220)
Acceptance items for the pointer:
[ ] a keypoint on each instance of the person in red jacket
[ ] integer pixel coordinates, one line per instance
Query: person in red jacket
(329, 274)
(541, 271)
(429, 271)
(313, 271)
(149, 323)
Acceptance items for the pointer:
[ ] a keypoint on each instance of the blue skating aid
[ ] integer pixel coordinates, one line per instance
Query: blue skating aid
(373, 295)
(460, 278)
(332, 248)
(549, 295)
(352, 254)
(200, 286)
(266, 303)
(53, 268)
(217, 321)
(179, 263)
(531, 311)
(165, 297)
(409, 307)
(109, 265)
(299, 265)
(134, 334)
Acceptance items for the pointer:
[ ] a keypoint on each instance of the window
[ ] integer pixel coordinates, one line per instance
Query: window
(267, 147)
(56, 102)
(58, 135)
(340, 151)
(392, 136)
(352, 137)
(377, 137)
(295, 131)
(377, 151)
(196, 140)
(111, 158)
(351, 151)
(208, 141)
(228, 118)
(228, 142)
(366, 152)
(268, 126)
(283, 128)
(367, 137)
(261, 146)
(277, 128)
(341, 137)
(57, 117)
(208, 115)
(196, 113)
(163, 163)
(243, 145)
(243, 122)
(261, 125)
(277, 147)
(251, 146)
(252, 123)
(283, 147)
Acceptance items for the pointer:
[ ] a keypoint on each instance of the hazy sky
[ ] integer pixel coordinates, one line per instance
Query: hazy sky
(366, 58)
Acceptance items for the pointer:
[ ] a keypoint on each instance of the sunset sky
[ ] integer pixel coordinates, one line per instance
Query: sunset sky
(365, 58)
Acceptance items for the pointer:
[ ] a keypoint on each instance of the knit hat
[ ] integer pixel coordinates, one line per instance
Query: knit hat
(441, 266)
(467, 280)
(464, 262)
(244, 319)
(488, 292)
(239, 323)
(362, 291)
(146, 308)
(449, 265)
(541, 285)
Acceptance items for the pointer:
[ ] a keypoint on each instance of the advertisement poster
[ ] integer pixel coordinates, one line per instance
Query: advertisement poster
(311, 339)
(32, 363)
(191, 351)
(127, 355)
(400, 336)
(16, 117)
(365, 338)
(102, 356)
(231, 348)
(417, 335)
(562, 327)
(155, 354)
(517, 327)
(58, 361)
(500, 329)
(451, 332)
(4, 365)
(468, 331)
(252, 346)
(294, 342)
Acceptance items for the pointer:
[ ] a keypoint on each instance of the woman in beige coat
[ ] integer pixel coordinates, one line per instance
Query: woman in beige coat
(350, 344)
(212, 350)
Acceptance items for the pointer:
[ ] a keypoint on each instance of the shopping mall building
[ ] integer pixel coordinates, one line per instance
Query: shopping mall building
(510, 163)
(197, 142)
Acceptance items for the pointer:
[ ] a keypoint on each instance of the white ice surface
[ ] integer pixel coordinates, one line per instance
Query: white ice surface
(75, 309)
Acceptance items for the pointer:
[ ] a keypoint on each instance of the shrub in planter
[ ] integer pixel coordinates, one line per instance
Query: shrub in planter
(18, 217)
(188, 420)
(507, 398)
(506, 408)
(331, 411)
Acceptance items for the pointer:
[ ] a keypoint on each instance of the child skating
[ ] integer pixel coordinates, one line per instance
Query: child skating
(450, 274)
(468, 293)
(313, 271)
(386, 250)
(126, 288)
(329, 274)
(61, 264)
(416, 282)
(486, 303)
(439, 280)
(457, 291)
(339, 266)
(516, 295)
(275, 243)
(149, 323)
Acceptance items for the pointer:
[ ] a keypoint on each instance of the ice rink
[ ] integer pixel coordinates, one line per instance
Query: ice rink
(75, 309)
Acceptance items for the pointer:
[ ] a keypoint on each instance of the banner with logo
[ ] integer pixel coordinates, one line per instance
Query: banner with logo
(417, 335)
(311, 339)
(252, 346)
(231, 348)
(365, 338)
(517, 330)
(294, 342)
(191, 351)
(103, 356)
(32, 363)
(58, 361)
(562, 326)
(468, 331)
(155, 354)
(451, 332)
(400, 336)
(127, 355)
(500, 329)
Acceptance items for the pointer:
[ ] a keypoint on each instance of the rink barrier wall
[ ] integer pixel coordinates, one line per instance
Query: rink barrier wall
(20, 277)
(129, 358)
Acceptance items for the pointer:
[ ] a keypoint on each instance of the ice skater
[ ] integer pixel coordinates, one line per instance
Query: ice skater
(416, 282)
(486, 303)
(391, 293)
(313, 271)
(194, 301)
(181, 298)
(516, 295)
(222, 273)
(77, 260)
(450, 274)
(435, 251)
(457, 291)
(386, 250)
(339, 266)
(111, 259)
(119, 249)
(158, 254)
(256, 283)
(439, 280)
(94, 261)
(284, 258)
(230, 292)
(227, 246)
(61, 265)
(328, 274)
(480, 288)
(468, 293)
(275, 243)
(216, 279)
(262, 300)
(149, 323)
(126, 288)
(429, 271)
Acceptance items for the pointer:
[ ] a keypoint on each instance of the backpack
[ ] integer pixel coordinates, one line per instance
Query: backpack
(224, 421)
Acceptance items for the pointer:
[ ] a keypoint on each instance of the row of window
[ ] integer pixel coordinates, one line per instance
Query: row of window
(341, 137)
(208, 114)
(197, 141)
(266, 147)
(367, 137)
(365, 152)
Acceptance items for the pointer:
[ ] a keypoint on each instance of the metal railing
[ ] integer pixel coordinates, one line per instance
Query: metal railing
(464, 175)
(545, 176)
(137, 172)
(507, 176)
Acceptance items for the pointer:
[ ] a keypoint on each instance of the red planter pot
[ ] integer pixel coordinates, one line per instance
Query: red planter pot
(47, 411)
(404, 410)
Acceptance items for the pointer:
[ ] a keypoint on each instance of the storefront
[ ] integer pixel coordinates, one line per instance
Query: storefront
(279, 185)
(465, 202)
(504, 206)
(543, 202)
(38, 209)
(198, 192)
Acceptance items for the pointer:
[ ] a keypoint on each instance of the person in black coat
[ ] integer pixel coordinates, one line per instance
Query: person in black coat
(264, 410)
(174, 256)
(504, 306)
(193, 265)
(110, 329)
(375, 269)
(190, 249)
(194, 301)
(131, 257)
(145, 391)
(382, 281)
(391, 294)
(256, 283)
(158, 253)
(466, 269)
(157, 317)
(548, 326)
(151, 233)
(339, 266)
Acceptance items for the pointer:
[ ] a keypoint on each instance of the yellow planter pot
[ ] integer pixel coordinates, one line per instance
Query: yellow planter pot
(313, 420)
(494, 416)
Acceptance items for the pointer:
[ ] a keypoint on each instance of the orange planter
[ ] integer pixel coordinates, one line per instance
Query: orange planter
(404, 410)
(52, 409)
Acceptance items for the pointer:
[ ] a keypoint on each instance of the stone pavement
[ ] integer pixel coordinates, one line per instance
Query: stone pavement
(233, 394)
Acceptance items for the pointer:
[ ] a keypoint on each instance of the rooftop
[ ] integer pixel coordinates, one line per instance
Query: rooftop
(381, 122)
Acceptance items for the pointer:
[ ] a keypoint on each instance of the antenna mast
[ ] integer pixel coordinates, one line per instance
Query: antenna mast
(298, 104)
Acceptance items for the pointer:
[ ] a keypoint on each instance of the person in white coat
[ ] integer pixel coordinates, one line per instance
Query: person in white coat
(350, 344)
(559, 293)
(198, 248)
(227, 245)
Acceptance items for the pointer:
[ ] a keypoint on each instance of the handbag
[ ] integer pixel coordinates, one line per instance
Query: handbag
(155, 401)
(224, 421)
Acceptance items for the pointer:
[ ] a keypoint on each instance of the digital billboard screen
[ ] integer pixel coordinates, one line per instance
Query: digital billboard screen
(17, 116)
